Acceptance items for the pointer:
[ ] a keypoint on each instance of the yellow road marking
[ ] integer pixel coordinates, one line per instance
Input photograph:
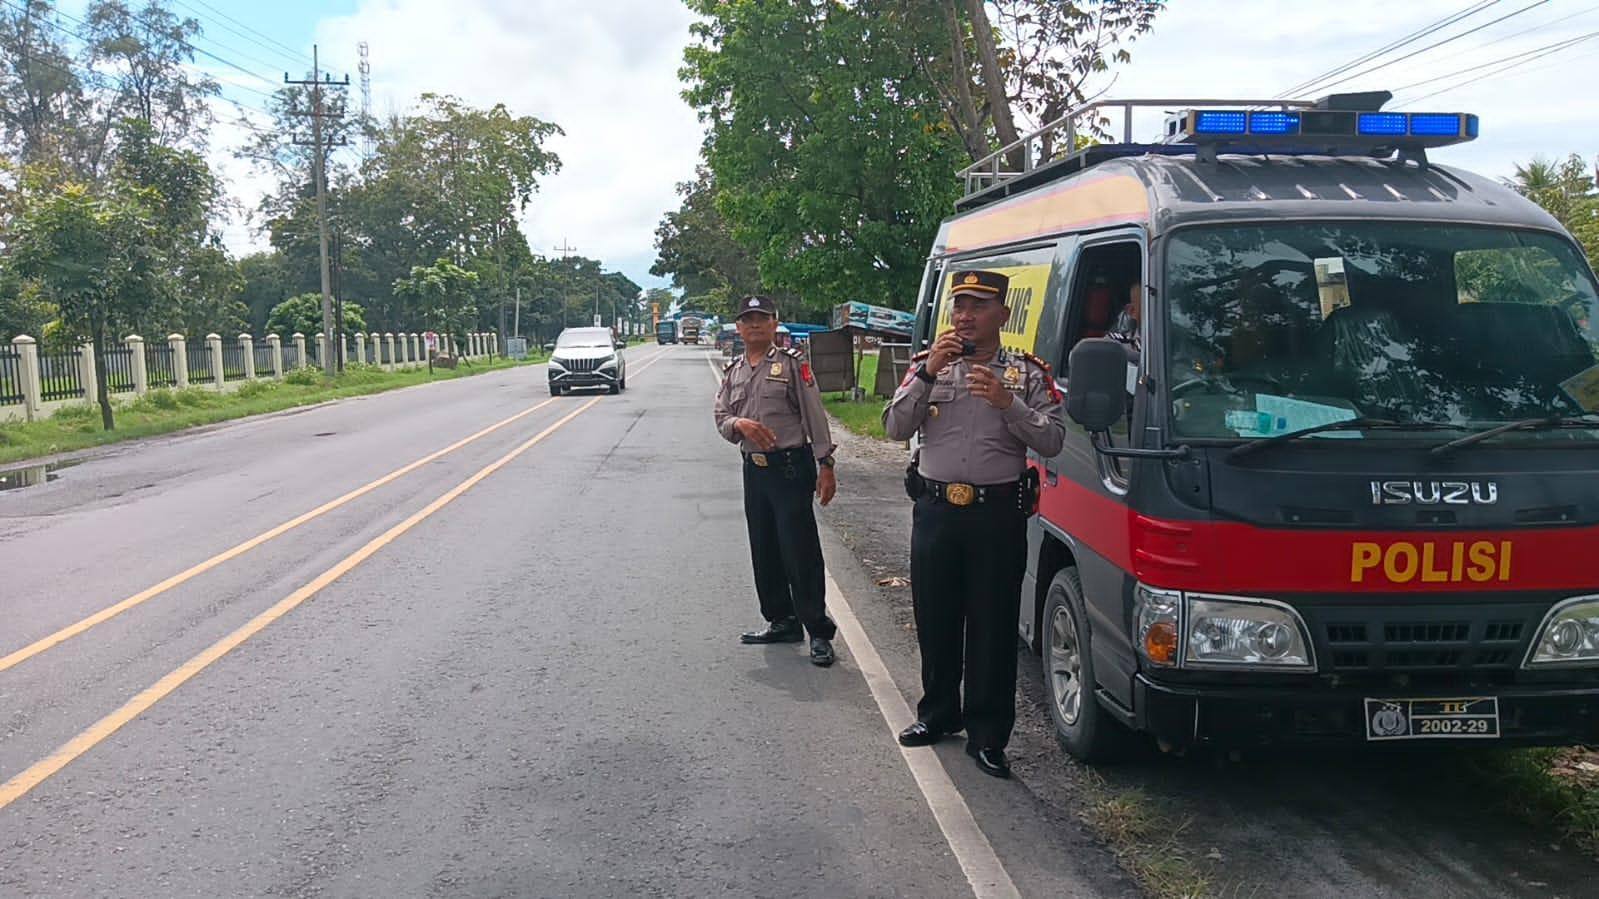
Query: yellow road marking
(106, 614)
(38, 772)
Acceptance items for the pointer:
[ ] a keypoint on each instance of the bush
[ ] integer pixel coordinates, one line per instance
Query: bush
(76, 412)
(252, 389)
(304, 377)
(197, 396)
(160, 398)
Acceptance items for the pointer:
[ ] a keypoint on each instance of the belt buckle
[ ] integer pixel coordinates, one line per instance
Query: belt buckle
(759, 459)
(959, 494)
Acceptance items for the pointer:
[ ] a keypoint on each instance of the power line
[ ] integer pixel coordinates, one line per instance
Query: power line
(296, 55)
(1539, 51)
(1401, 42)
(1414, 53)
(1514, 62)
(1515, 34)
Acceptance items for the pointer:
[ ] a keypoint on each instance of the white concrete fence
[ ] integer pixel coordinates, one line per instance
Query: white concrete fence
(33, 384)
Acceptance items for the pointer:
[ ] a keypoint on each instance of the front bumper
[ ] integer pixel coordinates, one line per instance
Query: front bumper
(603, 378)
(1241, 716)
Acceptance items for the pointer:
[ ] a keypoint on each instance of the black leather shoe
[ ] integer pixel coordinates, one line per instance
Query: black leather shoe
(920, 733)
(990, 760)
(786, 630)
(821, 651)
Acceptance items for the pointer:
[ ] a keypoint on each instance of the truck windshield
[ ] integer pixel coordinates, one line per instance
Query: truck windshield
(1281, 327)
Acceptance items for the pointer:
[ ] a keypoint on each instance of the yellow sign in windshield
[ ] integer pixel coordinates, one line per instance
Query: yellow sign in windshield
(1025, 299)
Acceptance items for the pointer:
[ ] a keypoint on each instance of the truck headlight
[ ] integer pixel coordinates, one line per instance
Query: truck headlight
(1569, 636)
(1256, 633)
(555, 362)
(1157, 615)
(609, 363)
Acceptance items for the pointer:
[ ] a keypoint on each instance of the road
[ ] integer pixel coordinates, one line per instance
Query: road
(467, 640)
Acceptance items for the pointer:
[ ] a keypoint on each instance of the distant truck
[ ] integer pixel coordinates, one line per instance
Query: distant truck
(665, 331)
(689, 328)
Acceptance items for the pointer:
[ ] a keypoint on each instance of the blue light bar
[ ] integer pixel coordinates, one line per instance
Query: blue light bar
(1471, 126)
(1435, 124)
(1274, 123)
(1220, 121)
(1381, 123)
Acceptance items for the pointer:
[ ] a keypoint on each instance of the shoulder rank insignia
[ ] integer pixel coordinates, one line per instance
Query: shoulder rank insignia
(922, 355)
(1049, 379)
(729, 366)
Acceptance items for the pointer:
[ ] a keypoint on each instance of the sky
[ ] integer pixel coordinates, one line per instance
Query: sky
(606, 72)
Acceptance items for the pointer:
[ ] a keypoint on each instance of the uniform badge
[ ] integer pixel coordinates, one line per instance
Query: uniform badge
(1013, 375)
(777, 369)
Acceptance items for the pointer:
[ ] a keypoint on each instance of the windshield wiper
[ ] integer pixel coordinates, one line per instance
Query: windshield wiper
(1547, 423)
(1348, 424)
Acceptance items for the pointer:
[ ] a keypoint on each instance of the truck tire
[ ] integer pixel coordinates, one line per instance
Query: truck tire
(1085, 729)
(554, 390)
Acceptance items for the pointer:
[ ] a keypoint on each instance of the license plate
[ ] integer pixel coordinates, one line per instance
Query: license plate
(1432, 719)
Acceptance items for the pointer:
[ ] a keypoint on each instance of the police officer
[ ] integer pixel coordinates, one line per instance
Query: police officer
(770, 406)
(979, 407)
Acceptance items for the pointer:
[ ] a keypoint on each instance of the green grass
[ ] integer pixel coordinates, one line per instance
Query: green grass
(1544, 787)
(1147, 846)
(864, 416)
(76, 427)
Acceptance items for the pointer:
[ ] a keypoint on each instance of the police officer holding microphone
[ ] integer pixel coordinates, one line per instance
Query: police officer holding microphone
(979, 407)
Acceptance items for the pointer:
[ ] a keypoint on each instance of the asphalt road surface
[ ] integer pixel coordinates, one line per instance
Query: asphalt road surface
(466, 640)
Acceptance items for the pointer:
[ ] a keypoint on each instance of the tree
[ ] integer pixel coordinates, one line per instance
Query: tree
(150, 55)
(41, 95)
(1034, 60)
(302, 314)
(826, 142)
(440, 295)
(695, 247)
(1566, 190)
(91, 255)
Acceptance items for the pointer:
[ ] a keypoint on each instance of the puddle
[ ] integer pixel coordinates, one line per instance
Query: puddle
(32, 475)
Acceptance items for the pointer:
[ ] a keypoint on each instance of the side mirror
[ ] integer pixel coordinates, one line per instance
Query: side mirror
(1096, 383)
(618, 344)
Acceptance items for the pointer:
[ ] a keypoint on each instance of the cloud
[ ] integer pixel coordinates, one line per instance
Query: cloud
(605, 72)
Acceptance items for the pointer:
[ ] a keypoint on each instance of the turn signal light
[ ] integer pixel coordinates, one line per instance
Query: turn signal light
(1160, 642)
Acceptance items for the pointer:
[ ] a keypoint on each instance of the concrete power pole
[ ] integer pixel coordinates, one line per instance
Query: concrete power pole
(319, 148)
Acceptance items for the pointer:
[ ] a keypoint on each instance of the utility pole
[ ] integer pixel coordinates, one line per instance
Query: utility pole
(566, 253)
(319, 172)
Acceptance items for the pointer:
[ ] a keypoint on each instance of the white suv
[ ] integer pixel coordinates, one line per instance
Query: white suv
(587, 357)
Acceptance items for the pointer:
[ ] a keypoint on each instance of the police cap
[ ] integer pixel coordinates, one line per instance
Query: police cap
(978, 284)
(757, 303)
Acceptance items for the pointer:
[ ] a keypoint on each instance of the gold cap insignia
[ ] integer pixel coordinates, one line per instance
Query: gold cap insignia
(971, 278)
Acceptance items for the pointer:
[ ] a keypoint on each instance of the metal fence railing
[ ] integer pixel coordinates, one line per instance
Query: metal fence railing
(263, 361)
(160, 368)
(60, 377)
(10, 376)
(232, 360)
(118, 370)
(291, 358)
(200, 368)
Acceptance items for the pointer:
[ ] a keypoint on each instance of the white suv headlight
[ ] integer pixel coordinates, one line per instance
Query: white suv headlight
(1254, 633)
(1569, 636)
(555, 362)
(609, 363)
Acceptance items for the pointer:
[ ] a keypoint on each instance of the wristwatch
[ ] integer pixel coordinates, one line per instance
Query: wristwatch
(826, 460)
(921, 372)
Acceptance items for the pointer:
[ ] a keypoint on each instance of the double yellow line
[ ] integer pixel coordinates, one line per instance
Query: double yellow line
(37, 773)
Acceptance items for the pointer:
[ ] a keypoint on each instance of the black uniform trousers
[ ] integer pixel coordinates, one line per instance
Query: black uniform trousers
(966, 579)
(784, 545)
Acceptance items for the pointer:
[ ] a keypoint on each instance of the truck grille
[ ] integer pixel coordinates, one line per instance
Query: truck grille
(581, 365)
(1403, 640)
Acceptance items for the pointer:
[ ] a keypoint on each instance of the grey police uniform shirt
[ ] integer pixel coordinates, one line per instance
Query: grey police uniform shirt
(773, 392)
(966, 440)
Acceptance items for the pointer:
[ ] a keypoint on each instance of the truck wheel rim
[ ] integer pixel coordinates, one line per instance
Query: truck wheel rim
(1065, 666)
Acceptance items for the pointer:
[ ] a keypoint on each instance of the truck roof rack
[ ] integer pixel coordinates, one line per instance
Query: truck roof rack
(1335, 125)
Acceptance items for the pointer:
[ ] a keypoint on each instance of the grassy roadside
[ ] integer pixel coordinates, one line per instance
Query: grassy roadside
(1147, 845)
(864, 416)
(77, 427)
(1556, 788)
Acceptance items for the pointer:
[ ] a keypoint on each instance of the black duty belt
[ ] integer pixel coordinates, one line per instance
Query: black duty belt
(777, 457)
(957, 494)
